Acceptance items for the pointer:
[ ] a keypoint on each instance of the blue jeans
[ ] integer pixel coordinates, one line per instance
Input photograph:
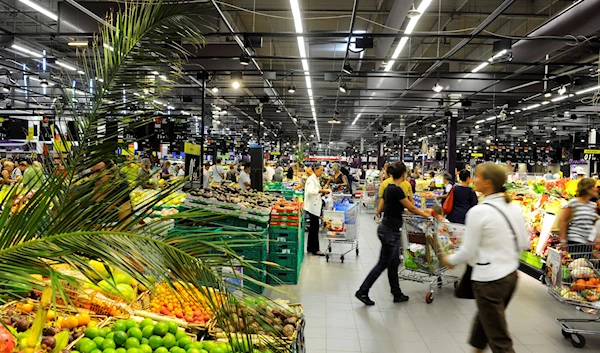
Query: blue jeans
(389, 259)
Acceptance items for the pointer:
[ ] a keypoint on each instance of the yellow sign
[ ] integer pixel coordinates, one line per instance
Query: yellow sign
(191, 148)
(591, 151)
(59, 146)
(275, 153)
(476, 154)
(1, 120)
(30, 133)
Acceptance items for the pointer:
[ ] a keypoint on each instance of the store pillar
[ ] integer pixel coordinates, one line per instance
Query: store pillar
(256, 167)
(452, 132)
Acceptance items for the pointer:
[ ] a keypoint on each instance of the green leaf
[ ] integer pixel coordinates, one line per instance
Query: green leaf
(62, 341)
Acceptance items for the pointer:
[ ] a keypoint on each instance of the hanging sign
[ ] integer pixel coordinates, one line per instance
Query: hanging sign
(476, 154)
(591, 151)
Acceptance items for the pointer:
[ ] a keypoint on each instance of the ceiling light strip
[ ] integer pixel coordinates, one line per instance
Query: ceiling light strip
(40, 9)
(295, 6)
(409, 28)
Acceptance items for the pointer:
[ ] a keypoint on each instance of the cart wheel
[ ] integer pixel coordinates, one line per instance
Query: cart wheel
(327, 258)
(565, 334)
(440, 282)
(342, 258)
(429, 298)
(356, 251)
(577, 340)
(455, 285)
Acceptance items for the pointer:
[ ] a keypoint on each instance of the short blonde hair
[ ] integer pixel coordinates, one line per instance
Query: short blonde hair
(9, 164)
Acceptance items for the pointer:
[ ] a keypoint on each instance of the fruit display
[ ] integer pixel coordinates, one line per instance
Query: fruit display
(140, 197)
(243, 199)
(129, 336)
(119, 283)
(268, 320)
(185, 303)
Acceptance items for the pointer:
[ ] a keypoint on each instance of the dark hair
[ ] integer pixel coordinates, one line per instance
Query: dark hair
(448, 176)
(438, 210)
(315, 166)
(464, 174)
(396, 170)
(219, 160)
(246, 165)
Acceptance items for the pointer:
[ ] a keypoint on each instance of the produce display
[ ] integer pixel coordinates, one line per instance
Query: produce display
(191, 307)
(139, 197)
(248, 199)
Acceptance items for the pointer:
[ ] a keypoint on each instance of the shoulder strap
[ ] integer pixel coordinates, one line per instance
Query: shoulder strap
(509, 224)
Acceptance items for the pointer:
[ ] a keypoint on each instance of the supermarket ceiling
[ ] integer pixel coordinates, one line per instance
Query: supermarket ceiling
(364, 68)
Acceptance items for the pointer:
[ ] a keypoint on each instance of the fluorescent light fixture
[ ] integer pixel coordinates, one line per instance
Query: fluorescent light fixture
(562, 90)
(78, 43)
(548, 94)
(437, 88)
(558, 99)
(170, 107)
(66, 66)
(545, 102)
(409, 28)
(588, 90)
(40, 9)
(477, 126)
(25, 50)
(514, 127)
(80, 72)
(155, 73)
(480, 121)
(235, 84)
(533, 106)
(291, 89)
(215, 89)
(490, 118)
(356, 119)
(481, 66)
(518, 111)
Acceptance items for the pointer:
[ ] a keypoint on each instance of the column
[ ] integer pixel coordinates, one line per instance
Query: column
(452, 132)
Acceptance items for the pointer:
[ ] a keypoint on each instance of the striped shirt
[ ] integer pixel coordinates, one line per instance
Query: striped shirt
(584, 216)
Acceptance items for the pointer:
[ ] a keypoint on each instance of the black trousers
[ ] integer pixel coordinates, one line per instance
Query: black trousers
(313, 234)
(389, 259)
(490, 326)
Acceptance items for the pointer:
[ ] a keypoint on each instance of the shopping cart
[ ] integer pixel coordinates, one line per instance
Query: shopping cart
(340, 225)
(425, 242)
(573, 278)
(371, 196)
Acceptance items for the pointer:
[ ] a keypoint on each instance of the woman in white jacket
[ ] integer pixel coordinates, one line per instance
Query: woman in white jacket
(312, 206)
(495, 234)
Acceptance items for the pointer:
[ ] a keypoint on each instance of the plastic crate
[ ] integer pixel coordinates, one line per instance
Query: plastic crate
(283, 248)
(258, 253)
(283, 276)
(288, 261)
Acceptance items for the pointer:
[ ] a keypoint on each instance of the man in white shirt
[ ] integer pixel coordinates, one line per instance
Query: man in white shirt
(218, 172)
(269, 172)
(206, 175)
(244, 180)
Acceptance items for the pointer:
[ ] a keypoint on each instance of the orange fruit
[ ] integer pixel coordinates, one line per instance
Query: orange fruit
(51, 315)
(71, 322)
(27, 308)
(83, 319)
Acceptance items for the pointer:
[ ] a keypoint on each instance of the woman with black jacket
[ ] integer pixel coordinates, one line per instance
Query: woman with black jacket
(464, 198)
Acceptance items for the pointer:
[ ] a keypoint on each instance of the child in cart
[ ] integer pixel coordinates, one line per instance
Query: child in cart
(445, 239)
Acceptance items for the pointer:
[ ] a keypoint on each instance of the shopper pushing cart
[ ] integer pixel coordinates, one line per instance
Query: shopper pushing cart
(393, 205)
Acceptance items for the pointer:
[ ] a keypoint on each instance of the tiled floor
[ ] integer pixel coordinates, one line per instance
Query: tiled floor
(337, 322)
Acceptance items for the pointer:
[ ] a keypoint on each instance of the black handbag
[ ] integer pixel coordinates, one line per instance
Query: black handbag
(464, 288)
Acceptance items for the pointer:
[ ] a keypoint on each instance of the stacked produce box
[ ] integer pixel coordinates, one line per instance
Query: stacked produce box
(286, 242)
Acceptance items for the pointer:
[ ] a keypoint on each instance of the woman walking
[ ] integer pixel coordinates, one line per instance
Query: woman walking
(393, 205)
(495, 234)
(312, 206)
(464, 198)
(578, 219)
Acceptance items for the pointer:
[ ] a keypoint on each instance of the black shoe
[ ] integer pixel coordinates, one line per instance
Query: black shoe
(400, 298)
(364, 298)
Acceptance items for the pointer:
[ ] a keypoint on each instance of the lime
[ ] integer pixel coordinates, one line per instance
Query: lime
(148, 331)
(109, 350)
(174, 349)
(207, 345)
(130, 323)
(203, 351)
(108, 343)
(110, 336)
(120, 325)
(144, 340)
(92, 332)
(155, 342)
(193, 350)
(96, 351)
(74, 351)
(184, 341)
(169, 341)
(82, 341)
(132, 342)
(161, 350)
(173, 327)
(88, 346)
(121, 350)
(161, 328)
(105, 331)
(99, 340)
(219, 348)
(120, 338)
(146, 322)
(144, 348)
(180, 334)
(188, 347)
(197, 345)
(133, 350)
(135, 332)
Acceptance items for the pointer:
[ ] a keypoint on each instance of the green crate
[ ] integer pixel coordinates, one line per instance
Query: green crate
(253, 253)
(259, 274)
(288, 261)
(258, 289)
(283, 248)
(285, 276)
